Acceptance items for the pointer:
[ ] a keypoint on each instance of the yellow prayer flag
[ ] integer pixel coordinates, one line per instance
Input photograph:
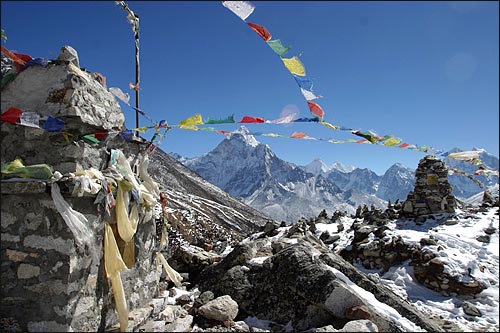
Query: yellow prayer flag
(113, 261)
(333, 127)
(294, 65)
(392, 141)
(271, 135)
(188, 123)
(113, 264)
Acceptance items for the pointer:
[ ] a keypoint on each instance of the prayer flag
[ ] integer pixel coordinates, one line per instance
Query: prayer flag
(391, 141)
(369, 136)
(7, 78)
(53, 124)
(306, 120)
(14, 57)
(298, 135)
(278, 47)
(36, 62)
(283, 120)
(223, 132)
(316, 109)
(333, 127)
(294, 66)
(90, 139)
(11, 115)
(228, 120)
(309, 95)
(101, 135)
(303, 82)
(31, 119)
(247, 119)
(464, 155)
(271, 135)
(191, 122)
(127, 135)
(261, 31)
(117, 92)
(242, 9)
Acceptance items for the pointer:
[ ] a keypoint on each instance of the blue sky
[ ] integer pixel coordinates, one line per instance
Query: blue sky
(426, 72)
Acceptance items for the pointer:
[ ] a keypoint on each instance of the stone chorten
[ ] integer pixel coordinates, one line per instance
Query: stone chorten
(432, 191)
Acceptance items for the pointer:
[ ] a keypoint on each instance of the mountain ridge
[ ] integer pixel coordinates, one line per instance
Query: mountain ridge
(250, 170)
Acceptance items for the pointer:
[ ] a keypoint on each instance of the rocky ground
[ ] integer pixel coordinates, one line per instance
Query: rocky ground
(287, 278)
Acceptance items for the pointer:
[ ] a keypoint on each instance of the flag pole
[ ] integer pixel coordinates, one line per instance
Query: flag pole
(137, 79)
(133, 19)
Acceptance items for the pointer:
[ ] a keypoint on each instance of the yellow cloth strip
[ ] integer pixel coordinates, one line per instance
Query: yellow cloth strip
(114, 264)
(172, 274)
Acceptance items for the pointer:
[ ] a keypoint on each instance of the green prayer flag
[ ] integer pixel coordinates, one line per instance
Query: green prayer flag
(277, 47)
(90, 139)
(7, 78)
(228, 120)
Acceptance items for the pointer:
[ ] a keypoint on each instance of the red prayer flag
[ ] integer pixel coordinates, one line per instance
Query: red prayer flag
(23, 57)
(100, 135)
(11, 115)
(223, 132)
(403, 145)
(260, 30)
(13, 56)
(316, 109)
(298, 135)
(247, 119)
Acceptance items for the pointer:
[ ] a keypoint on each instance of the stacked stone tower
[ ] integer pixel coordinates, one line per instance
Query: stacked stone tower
(432, 191)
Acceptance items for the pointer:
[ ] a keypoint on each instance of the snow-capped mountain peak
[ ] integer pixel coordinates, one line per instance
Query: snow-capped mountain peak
(317, 167)
(341, 167)
(246, 137)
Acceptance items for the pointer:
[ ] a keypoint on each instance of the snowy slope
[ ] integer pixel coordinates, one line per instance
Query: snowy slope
(190, 193)
(459, 249)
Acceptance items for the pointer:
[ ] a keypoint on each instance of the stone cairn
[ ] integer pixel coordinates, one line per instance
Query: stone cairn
(432, 191)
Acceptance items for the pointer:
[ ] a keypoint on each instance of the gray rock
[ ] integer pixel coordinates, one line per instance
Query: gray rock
(68, 53)
(471, 309)
(152, 326)
(192, 259)
(328, 328)
(206, 297)
(483, 238)
(158, 305)
(171, 313)
(222, 308)
(181, 324)
(359, 326)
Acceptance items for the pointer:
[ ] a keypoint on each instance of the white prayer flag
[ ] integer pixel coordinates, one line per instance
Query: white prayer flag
(241, 8)
(120, 94)
(30, 119)
(309, 95)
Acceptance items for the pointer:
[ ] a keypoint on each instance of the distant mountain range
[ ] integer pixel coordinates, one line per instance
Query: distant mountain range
(248, 169)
